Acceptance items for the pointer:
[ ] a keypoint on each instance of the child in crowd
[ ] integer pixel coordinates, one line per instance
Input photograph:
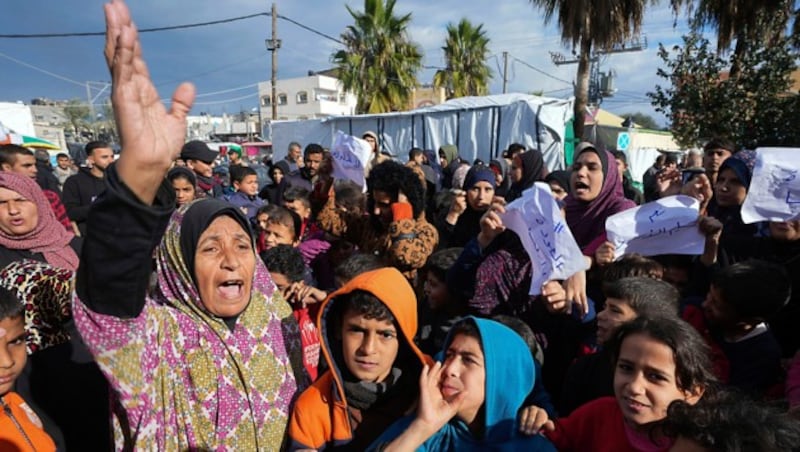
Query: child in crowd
(731, 422)
(282, 228)
(367, 330)
(20, 427)
(591, 376)
(439, 311)
(245, 184)
(732, 320)
(184, 182)
(355, 265)
(657, 362)
(297, 199)
(471, 400)
(285, 265)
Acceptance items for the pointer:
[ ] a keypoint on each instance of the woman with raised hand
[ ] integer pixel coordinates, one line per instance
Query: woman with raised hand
(201, 361)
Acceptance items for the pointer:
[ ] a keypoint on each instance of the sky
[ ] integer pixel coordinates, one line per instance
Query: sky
(226, 61)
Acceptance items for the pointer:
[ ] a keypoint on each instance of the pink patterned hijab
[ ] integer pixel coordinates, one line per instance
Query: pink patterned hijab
(49, 236)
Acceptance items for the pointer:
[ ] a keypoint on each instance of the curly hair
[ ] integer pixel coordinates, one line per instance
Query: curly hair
(732, 422)
(365, 304)
(392, 177)
(10, 306)
(286, 260)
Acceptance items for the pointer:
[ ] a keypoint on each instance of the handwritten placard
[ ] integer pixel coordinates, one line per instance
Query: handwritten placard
(536, 219)
(665, 226)
(774, 193)
(350, 156)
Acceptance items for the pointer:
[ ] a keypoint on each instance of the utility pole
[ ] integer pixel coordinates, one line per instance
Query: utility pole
(273, 45)
(505, 71)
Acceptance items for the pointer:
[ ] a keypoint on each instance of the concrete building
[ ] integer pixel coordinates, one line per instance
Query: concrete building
(315, 96)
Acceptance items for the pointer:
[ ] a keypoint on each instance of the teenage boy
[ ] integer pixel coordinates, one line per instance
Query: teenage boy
(20, 427)
(282, 228)
(591, 376)
(245, 195)
(745, 353)
(471, 401)
(367, 329)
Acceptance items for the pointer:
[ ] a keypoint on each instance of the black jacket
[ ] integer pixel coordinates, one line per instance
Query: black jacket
(80, 191)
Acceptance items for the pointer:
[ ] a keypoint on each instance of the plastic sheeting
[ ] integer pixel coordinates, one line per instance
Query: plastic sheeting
(481, 127)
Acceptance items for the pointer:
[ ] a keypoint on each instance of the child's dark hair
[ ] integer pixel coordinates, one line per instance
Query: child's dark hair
(525, 332)
(414, 153)
(286, 260)
(284, 216)
(348, 195)
(753, 289)
(241, 172)
(720, 143)
(365, 304)
(647, 296)
(441, 261)
(466, 327)
(689, 350)
(293, 194)
(10, 306)
(632, 265)
(268, 209)
(733, 422)
(392, 178)
(357, 264)
(181, 172)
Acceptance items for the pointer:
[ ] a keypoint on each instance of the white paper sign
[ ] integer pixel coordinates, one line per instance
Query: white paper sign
(665, 226)
(350, 157)
(774, 193)
(536, 219)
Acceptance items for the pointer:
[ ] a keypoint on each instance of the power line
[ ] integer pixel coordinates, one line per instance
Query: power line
(44, 71)
(541, 71)
(239, 88)
(225, 101)
(306, 27)
(141, 30)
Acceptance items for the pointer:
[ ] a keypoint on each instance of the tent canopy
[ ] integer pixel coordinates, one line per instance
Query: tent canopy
(481, 127)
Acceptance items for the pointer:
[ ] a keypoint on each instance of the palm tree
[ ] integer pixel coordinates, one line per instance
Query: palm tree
(590, 25)
(751, 23)
(379, 62)
(465, 51)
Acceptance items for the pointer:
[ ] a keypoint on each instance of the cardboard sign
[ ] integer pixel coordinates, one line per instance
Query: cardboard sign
(350, 157)
(665, 226)
(774, 193)
(536, 219)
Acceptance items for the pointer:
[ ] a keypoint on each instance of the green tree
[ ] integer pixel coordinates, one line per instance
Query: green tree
(753, 109)
(465, 51)
(379, 62)
(588, 26)
(643, 120)
(77, 113)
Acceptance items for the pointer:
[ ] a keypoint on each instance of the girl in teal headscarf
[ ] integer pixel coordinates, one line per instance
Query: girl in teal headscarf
(470, 401)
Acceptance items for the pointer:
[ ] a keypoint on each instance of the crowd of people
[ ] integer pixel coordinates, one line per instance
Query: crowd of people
(143, 306)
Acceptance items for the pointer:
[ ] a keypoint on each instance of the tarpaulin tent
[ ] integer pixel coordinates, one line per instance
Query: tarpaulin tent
(481, 127)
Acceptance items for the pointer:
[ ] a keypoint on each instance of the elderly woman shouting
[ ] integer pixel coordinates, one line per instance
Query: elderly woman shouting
(201, 361)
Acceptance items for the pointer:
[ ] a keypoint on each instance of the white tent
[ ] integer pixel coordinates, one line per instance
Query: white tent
(481, 127)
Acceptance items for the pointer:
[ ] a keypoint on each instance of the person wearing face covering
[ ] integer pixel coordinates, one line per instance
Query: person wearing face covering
(479, 190)
(208, 359)
(526, 168)
(596, 194)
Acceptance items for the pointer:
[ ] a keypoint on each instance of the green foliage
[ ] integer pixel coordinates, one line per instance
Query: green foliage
(379, 62)
(465, 51)
(77, 113)
(752, 107)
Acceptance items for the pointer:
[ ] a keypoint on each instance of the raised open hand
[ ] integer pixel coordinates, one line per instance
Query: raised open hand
(151, 136)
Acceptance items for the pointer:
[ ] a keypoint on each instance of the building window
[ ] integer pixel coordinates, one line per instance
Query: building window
(282, 99)
(302, 97)
(265, 101)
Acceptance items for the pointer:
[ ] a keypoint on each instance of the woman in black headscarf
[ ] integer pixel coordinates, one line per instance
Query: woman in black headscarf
(526, 168)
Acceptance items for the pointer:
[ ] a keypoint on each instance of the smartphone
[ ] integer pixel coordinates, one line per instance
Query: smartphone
(688, 174)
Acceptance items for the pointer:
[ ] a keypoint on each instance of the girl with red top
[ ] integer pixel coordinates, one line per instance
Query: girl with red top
(657, 362)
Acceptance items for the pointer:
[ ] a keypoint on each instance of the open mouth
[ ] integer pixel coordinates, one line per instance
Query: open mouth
(449, 391)
(231, 289)
(581, 186)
